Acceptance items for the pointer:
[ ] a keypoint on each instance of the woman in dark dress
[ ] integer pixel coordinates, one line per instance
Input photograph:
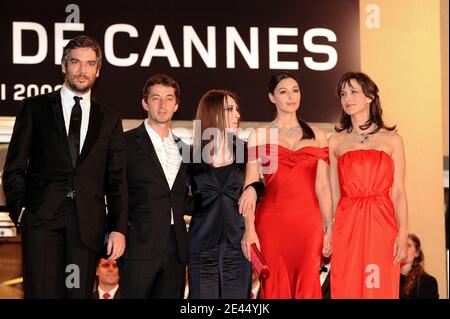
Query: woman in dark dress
(415, 283)
(217, 267)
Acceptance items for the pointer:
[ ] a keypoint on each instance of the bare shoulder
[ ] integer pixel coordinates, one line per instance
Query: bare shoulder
(391, 137)
(335, 138)
(320, 133)
(320, 136)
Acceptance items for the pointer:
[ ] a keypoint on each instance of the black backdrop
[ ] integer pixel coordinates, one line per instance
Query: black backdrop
(120, 87)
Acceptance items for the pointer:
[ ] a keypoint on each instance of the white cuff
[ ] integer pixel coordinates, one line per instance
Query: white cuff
(20, 216)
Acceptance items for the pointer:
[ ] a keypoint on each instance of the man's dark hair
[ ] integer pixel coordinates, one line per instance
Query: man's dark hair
(82, 41)
(161, 79)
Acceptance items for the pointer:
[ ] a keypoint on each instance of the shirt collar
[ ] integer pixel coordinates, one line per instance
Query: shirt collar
(155, 136)
(67, 95)
(112, 292)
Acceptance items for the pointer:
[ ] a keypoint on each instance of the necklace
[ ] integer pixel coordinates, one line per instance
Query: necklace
(363, 138)
(286, 131)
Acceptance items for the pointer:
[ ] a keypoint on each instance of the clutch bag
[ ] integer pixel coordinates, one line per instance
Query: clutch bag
(258, 262)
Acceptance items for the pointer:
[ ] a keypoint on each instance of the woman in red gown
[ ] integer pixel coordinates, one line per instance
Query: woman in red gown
(294, 215)
(369, 201)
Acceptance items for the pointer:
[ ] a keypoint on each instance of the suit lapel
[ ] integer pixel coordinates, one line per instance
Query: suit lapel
(183, 149)
(95, 122)
(57, 121)
(145, 143)
(57, 113)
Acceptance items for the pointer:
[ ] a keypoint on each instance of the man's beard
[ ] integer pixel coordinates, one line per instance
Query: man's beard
(77, 87)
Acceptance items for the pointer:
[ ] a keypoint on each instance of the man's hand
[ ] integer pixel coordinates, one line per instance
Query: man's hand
(116, 245)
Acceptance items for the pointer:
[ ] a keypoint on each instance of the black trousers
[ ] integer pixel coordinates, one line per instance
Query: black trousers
(162, 278)
(56, 264)
(219, 272)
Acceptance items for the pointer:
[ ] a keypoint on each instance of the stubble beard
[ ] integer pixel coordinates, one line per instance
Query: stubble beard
(79, 88)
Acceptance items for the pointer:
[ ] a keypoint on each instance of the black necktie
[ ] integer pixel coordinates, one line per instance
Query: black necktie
(74, 130)
(323, 269)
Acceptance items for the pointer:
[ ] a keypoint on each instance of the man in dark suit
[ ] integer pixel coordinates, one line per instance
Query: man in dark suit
(107, 280)
(155, 259)
(66, 154)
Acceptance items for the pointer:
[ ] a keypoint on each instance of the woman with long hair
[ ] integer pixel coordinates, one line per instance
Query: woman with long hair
(367, 167)
(415, 283)
(217, 267)
(292, 223)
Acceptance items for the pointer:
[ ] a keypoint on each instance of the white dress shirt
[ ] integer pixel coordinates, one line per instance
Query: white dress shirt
(112, 292)
(68, 102)
(168, 155)
(323, 274)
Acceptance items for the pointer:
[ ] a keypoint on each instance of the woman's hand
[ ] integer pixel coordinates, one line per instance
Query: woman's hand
(400, 247)
(326, 244)
(247, 201)
(248, 239)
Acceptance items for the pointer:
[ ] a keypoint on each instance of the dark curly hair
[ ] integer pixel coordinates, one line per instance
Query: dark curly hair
(370, 89)
(82, 41)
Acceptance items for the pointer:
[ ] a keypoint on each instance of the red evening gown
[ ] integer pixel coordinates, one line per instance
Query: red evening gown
(364, 228)
(289, 222)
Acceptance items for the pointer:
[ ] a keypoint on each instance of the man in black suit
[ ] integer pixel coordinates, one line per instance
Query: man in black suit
(154, 263)
(66, 154)
(107, 280)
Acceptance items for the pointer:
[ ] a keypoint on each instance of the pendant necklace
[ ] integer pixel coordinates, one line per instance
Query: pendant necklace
(363, 138)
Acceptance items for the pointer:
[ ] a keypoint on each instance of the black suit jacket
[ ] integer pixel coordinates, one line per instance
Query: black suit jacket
(38, 170)
(426, 288)
(151, 199)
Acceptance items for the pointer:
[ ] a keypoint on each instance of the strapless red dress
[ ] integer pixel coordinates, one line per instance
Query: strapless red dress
(289, 222)
(365, 228)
